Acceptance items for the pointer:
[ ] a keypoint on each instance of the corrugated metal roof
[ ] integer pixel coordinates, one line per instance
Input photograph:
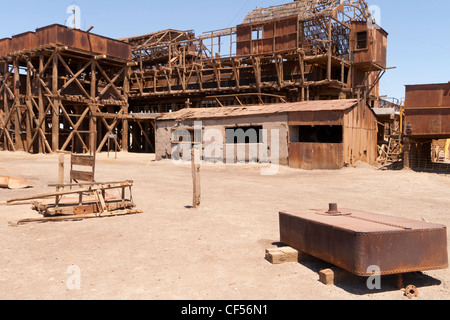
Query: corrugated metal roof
(279, 108)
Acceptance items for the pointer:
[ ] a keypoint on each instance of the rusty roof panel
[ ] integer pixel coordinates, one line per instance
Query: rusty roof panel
(76, 39)
(427, 95)
(5, 45)
(354, 240)
(279, 108)
(23, 41)
(62, 35)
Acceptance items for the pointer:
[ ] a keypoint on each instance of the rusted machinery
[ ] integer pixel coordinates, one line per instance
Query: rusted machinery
(85, 201)
(357, 241)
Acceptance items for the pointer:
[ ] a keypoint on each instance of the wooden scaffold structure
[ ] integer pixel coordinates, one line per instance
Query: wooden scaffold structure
(303, 50)
(63, 90)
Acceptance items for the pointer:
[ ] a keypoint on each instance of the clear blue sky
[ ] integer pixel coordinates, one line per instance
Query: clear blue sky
(418, 45)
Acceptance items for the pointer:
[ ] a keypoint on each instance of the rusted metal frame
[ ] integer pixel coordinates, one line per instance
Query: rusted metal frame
(74, 76)
(74, 127)
(103, 73)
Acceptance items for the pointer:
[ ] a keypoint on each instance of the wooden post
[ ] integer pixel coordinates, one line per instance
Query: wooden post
(330, 49)
(407, 153)
(55, 113)
(195, 159)
(16, 107)
(125, 124)
(92, 118)
(28, 120)
(41, 113)
(60, 172)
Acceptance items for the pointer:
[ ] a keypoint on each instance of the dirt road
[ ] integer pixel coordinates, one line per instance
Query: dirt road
(213, 252)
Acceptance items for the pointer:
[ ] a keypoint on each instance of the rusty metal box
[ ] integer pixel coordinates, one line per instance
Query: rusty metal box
(355, 241)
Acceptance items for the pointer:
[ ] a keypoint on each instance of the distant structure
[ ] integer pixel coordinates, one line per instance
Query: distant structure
(297, 52)
(427, 126)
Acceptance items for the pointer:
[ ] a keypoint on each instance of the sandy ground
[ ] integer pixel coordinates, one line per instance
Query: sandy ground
(215, 252)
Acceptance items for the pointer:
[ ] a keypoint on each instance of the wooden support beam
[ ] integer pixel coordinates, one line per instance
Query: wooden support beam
(92, 119)
(257, 72)
(195, 159)
(55, 110)
(75, 217)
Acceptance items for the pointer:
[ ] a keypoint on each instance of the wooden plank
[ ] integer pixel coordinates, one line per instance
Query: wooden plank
(195, 158)
(282, 255)
(75, 217)
(82, 160)
(81, 175)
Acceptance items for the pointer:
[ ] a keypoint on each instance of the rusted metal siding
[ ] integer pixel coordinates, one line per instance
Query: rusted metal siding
(5, 46)
(276, 35)
(360, 135)
(376, 51)
(355, 240)
(23, 41)
(359, 138)
(61, 35)
(316, 156)
(427, 110)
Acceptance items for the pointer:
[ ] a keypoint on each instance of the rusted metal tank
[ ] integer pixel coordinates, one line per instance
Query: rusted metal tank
(23, 41)
(5, 45)
(356, 241)
(427, 110)
(78, 39)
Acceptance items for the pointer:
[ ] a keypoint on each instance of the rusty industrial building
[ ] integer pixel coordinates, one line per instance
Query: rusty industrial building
(427, 126)
(67, 90)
